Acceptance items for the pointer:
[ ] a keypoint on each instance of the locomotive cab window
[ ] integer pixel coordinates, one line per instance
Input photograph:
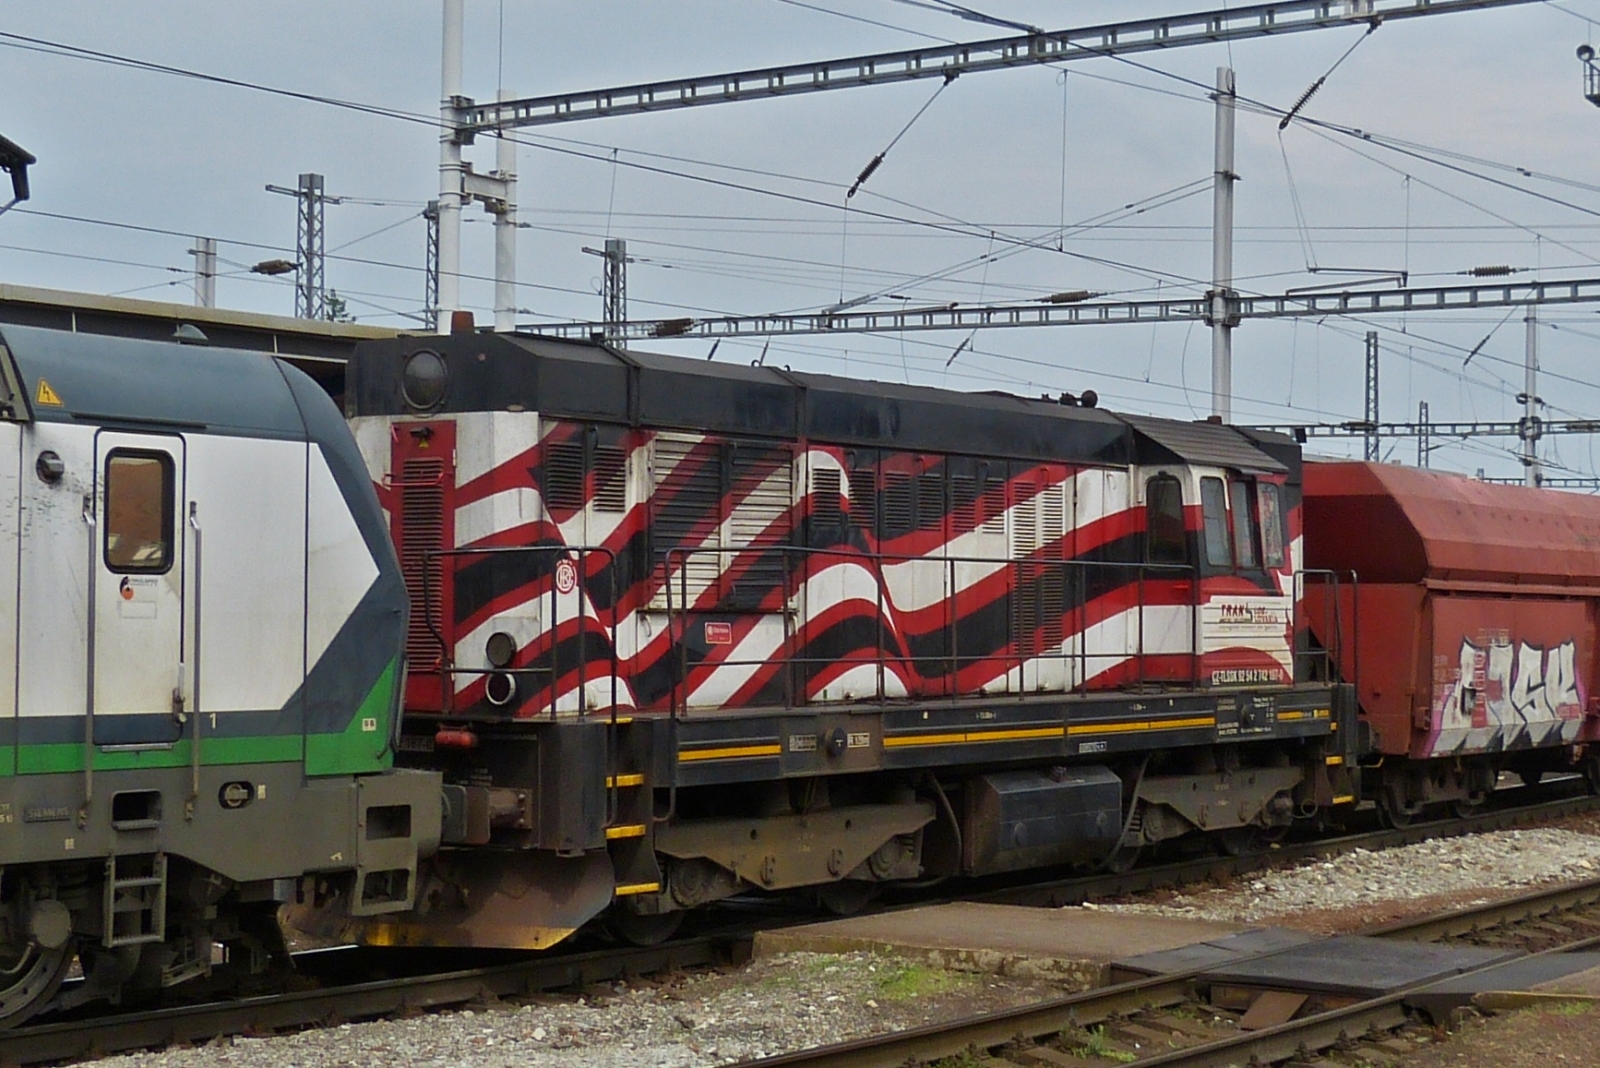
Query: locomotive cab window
(138, 520)
(1242, 498)
(1272, 536)
(1163, 507)
(1214, 508)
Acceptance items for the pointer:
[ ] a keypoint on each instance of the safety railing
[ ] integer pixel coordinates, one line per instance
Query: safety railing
(1330, 661)
(1075, 583)
(547, 676)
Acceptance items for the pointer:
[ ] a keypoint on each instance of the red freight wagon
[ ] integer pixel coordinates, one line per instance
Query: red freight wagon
(1469, 630)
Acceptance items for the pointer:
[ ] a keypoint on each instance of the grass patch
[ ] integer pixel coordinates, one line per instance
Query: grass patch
(1568, 1008)
(1096, 1044)
(897, 981)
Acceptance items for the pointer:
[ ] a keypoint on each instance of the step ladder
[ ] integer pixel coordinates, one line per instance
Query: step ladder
(135, 900)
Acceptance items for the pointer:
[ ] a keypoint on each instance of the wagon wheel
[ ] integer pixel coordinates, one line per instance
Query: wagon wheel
(30, 975)
(1392, 814)
(644, 929)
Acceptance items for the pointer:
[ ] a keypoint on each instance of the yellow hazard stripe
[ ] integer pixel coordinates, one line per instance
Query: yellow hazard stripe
(627, 830)
(732, 752)
(636, 888)
(1291, 716)
(1345, 800)
(624, 780)
(1334, 761)
(1143, 725)
(967, 737)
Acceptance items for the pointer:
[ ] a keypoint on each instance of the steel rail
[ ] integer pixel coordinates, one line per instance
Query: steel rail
(65, 1040)
(1085, 312)
(950, 60)
(1265, 1046)
(198, 1023)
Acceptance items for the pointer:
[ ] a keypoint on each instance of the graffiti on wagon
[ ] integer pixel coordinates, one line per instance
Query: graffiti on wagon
(1506, 689)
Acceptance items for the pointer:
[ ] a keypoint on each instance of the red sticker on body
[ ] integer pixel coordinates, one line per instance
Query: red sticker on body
(719, 633)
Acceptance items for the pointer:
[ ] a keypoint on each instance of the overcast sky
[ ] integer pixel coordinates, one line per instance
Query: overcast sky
(1016, 153)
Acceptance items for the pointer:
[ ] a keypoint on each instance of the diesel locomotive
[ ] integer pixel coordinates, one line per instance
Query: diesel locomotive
(200, 669)
(682, 630)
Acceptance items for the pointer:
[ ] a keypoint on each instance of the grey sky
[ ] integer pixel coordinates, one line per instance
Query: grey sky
(177, 154)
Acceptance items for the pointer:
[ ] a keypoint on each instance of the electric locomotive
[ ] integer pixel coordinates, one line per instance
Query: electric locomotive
(682, 629)
(200, 670)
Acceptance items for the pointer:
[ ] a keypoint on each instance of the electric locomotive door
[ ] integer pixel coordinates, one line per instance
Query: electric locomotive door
(137, 680)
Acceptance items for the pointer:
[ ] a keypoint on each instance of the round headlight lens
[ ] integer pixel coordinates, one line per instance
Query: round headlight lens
(500, 649)
(424, 380)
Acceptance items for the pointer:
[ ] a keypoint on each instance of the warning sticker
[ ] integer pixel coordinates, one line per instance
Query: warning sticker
(719, 633)
(46, 395)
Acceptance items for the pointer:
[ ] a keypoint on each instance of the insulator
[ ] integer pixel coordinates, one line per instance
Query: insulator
(1494, 271)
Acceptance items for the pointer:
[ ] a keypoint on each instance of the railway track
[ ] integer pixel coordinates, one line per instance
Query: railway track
(1168, 1021)
(347, 995)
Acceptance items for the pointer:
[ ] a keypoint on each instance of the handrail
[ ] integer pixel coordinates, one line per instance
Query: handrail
(678, 608)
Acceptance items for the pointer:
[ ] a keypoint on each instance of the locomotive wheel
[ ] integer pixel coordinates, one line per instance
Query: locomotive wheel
(1393, 815)
(30, 976)
(642, 929)
(1241, 841)
(1122, 859)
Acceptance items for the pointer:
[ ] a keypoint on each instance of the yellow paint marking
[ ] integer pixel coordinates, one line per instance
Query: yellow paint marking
(613, 781)
(968, 737)
(1347, 799)
(732, 752)
(637, 888)
(627, 830)
(1321, 713)
(46, 395)
(1291, 715)
(1143, 725)
(1334, 761)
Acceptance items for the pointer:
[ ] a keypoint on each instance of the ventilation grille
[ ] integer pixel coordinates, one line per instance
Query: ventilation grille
(763, 486)
(964, 503)
(421, 533)
(687, 509)
(992, 506)
(897, 505)
(563, 476)
(825, 513)
(610, 479)
(930, 500)
(863, 500)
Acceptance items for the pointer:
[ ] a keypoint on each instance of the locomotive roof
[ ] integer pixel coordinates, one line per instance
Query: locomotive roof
(592, 381)
(96, 378)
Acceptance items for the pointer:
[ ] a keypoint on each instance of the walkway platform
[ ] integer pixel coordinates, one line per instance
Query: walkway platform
(1073, 946)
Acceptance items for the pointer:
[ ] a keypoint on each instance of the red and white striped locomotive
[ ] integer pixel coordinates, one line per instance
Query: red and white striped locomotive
(682, 629)
(700, 537)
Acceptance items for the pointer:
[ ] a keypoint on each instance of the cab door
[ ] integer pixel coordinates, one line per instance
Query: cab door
(136, 669)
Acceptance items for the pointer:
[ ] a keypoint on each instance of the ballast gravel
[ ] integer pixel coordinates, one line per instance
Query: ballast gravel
(769, 1006)
(1363, 887)
(794, 1001)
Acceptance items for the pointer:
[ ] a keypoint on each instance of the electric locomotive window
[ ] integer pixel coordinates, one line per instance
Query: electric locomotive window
(1214, 507)
(1163, 511)
(138, 521)
(1244, 524)
(1271, 524)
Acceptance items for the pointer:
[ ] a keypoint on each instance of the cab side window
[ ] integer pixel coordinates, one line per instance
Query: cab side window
(1272, 539)
(1214, 509)
(1163, 509)
(1242, 497)
(138, 523)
